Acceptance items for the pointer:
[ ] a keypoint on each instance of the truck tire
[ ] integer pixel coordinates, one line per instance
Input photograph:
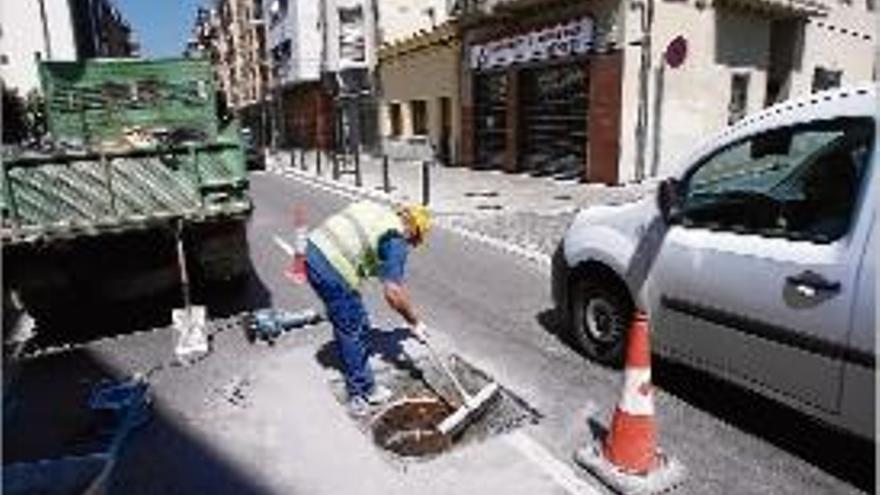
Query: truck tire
(601, 312)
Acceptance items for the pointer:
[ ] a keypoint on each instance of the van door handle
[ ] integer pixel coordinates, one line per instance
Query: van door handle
(809, 283)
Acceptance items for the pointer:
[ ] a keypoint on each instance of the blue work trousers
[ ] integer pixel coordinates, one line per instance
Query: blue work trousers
(351, 324)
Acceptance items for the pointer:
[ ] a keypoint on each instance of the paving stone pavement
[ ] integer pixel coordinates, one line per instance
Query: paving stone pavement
(521, 209)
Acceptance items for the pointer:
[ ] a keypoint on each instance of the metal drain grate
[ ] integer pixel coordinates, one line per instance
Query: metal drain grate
(403, 427)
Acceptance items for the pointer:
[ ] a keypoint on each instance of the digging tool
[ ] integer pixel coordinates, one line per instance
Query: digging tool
(473, 405)
(189, 322)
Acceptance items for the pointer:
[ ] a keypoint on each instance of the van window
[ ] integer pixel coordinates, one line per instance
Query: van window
(800, 182)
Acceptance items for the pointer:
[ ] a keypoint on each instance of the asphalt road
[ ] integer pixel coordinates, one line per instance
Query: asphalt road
(494, 309)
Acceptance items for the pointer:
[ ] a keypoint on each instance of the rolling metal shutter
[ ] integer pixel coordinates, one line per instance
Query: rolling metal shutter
(553, 120)
(491, 118)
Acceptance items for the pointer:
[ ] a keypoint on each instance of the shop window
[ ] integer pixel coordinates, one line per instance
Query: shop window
(739, 97)
(826, 79)
(396, 119)
(419, 111)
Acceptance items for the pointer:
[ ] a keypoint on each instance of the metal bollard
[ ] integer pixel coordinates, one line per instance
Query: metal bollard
(335, 159)
(386, 178)
(292, 157)
(358, 178)
(426, 182)
(302, 159)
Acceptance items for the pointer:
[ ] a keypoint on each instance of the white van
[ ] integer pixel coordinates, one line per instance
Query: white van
(755, 263)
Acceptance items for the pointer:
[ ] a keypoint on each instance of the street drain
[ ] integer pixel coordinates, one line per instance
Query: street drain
(481, 194)
(409, 427)
(489, 207)
(405, 428)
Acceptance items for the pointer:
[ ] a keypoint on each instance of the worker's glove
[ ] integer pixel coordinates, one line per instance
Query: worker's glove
(420, 331)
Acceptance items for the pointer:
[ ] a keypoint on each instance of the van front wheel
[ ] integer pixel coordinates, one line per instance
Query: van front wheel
(601, 314)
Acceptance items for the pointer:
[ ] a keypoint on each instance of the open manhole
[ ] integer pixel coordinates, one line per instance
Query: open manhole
(405, 428)
(408, 427)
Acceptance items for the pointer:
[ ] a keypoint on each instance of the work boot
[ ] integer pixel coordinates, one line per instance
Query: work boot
(358, 406)
(379, 395)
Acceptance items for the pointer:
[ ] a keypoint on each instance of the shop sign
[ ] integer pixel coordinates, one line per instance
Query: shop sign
(560, 41)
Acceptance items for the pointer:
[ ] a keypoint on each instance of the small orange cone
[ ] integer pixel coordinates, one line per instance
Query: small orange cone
(631, 443)
(629, 460)
(296, 270)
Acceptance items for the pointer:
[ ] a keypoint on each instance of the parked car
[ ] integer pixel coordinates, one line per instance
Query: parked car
(755, 262)
(254, 156)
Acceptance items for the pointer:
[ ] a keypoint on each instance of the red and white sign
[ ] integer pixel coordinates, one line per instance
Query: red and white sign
(559, 41)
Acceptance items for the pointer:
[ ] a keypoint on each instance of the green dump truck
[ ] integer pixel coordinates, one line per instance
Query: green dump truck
(140, 156)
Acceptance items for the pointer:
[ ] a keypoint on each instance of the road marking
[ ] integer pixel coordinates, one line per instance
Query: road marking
(351, 192)
(287, 248)
(503, 246)
(560, 472)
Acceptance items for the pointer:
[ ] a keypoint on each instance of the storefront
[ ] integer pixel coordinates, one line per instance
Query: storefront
(542, 96)
(553, 123)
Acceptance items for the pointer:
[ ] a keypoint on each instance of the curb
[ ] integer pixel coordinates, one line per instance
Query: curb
(352, 191)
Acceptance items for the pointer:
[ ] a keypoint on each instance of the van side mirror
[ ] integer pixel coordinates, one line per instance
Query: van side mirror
(669, 200)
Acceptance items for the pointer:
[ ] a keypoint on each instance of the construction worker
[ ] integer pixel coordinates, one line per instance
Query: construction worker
(362, 241)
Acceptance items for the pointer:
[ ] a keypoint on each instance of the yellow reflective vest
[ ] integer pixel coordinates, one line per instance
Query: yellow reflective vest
(350, 239)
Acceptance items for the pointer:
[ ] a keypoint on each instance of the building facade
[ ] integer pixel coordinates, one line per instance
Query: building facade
(231, 33)
(540, 88)
(58, 30)
(325, 55)
(101, 30)
(738, 57)
(419, 104)
(295, 51)
(610, 91)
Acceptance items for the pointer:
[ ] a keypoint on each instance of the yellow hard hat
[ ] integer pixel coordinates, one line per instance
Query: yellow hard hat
(419, 218)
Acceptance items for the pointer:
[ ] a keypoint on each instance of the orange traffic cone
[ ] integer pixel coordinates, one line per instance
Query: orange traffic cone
(629, 460)
(296, 271)
(631, 443)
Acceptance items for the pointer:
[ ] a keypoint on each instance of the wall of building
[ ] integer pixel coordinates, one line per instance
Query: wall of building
(690, 103)
(296, 22)
(22, 37)
(401, 18)
(308, 54)
(846, 40)
(425, 74)
(334, 61)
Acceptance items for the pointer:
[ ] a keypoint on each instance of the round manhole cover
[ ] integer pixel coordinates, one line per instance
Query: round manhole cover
(409, 427)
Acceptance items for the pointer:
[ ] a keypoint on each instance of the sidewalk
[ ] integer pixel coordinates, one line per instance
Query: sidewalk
(529, 212)
(253, 419)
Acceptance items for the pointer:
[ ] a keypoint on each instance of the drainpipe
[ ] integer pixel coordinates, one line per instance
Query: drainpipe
(646, 15)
